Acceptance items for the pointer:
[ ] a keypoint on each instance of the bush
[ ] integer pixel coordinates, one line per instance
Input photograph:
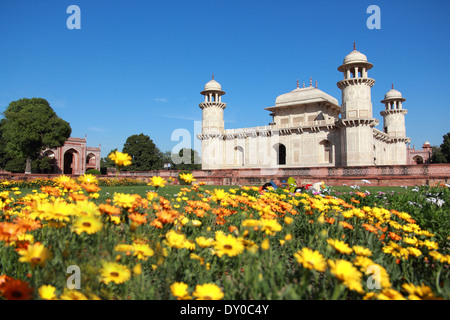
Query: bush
(94, 172)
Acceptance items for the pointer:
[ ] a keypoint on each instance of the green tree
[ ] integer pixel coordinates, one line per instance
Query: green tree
(437, 156)
(4, 158)
(445, 146)
(30, 126)
(145, 155)
(187, 159)
(441, 154)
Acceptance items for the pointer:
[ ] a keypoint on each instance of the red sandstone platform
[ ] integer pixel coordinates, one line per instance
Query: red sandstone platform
(405, 175)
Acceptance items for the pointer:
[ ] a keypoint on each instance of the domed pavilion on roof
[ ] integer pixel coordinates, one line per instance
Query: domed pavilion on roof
(309, 127)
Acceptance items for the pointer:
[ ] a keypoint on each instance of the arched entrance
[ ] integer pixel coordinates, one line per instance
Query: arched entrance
(418, 160)
(238, 156)
(281, 153)
(70, 161)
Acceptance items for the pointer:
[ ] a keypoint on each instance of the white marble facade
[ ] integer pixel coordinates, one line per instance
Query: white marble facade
(309, 127)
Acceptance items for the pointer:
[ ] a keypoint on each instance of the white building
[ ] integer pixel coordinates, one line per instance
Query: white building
(309, 127)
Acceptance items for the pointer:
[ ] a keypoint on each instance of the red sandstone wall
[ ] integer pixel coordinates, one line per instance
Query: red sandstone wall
(408, 175)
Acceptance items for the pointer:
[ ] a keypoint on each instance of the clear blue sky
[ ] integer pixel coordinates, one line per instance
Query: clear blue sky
(138, 66)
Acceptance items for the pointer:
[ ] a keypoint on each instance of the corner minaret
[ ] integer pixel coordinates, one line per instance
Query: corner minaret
(212, 114)
(213, 127)
(356, 111)
(394, 125)
(394, 114)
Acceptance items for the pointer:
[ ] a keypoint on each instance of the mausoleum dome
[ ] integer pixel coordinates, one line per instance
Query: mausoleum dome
(304, 95)
(213, 85)
(393, 94)
(355, 56)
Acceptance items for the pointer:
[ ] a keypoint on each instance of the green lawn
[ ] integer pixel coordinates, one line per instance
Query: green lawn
(171, 190)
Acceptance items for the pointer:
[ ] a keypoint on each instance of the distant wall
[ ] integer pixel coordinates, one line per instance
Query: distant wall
(401, 175)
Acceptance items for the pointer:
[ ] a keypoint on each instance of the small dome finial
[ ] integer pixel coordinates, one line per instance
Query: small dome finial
(392, 86)
(213, 76)
(310, 81)
(297, 84)
(303, 84)
(354, 46)
(316, 84)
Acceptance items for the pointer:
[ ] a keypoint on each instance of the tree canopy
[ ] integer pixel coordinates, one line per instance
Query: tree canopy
(145, 155)
(441, 154)
(29, 126)
(186, 159)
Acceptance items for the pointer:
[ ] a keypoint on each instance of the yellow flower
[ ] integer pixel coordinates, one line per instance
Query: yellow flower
(208, 291)
(288, 220)
(396, 250)
(157, 181)
(414, 251)
(219, 195)
(120, 159)
(270, 226)
(311, 259)
(88, 179)
(251, 223)
(180, 290)
(421, 292)
(151, 195)
(347, 274)
(72, 295)
(142, 251)
(390, 294)
(176, 239)
(431, 245)
(47, 292)
(35, 254)
(228, 245)
(204, 242)
(87, 224)
(114, 272)
(361, 251)
(187, 177)
(340, 246)
(123, 248)
(137, 270)
(196, 223)
(124, 200)
(265, 245)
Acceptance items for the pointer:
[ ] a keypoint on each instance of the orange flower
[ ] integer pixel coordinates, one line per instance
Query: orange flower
(9, 231)
(53, 191)
(232, 228)
(3, 280)
(17, 290)
(78, 197)
(354, 201)
(409, 220)
(90, 187)
(138, 218)
(330, 220)
(156, 223)
(394, 236)
(369, 228)
(346, 225)
(27, 224)
(165, 216)
(109, 209)
(362, 195)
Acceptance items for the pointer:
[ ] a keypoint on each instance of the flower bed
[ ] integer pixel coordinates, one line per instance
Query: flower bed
(244, 243)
